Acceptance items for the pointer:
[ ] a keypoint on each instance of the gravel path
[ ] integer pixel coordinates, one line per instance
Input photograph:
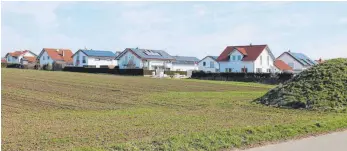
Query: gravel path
(331, 142)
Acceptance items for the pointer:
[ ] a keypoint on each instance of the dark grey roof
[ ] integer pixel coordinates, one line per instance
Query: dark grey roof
(99, 53)
(185, 60)
(214, 57)
(303, 59)
(150, 54)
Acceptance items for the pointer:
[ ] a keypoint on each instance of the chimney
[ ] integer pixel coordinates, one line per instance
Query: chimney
(288, 50)
(62, 53)
(250, 44)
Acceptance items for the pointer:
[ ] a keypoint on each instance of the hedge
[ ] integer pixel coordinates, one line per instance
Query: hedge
(134, 72)
(174, 72)
(267, 78)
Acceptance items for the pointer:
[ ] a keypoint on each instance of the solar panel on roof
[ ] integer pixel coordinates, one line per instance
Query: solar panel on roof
(151, 53)
(310, 61)
(305, 61)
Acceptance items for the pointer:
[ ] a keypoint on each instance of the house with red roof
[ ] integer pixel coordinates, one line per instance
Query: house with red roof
(3, 60)
(247, 58)
(281, 66)
(51, 55)
(17, 56)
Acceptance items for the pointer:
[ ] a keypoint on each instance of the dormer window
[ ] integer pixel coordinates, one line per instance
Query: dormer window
(239, 57)
(234, 58)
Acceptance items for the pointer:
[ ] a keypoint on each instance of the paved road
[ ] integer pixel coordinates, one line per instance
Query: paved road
(330, 142)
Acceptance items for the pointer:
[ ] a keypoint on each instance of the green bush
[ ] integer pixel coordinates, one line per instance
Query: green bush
(3, 65)
(322, 87)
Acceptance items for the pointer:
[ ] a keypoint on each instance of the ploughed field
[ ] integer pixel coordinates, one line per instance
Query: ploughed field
(43, 110)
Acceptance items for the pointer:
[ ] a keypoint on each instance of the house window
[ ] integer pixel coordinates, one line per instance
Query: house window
(211, 64)
(261, 60)
(228, 69)
(268, 60)
(43, 58)
(239, 57)
(9, 59)
(204, 64)
(234, 58)
(259, 70)
(47, 57)
(268, 70)
(84, 59)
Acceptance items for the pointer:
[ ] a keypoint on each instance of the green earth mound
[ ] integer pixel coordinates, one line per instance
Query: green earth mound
(322, 87)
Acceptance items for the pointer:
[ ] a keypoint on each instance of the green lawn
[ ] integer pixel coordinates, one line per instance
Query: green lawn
(44, 110)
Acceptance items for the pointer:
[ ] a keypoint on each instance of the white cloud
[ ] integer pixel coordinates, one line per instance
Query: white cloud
(44, 13)
(47, 35)
(200, 9)
(343, 20)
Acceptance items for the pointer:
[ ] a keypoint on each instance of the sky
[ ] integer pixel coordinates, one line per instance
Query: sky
(317, 29)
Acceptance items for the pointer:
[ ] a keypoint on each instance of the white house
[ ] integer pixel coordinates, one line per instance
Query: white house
(297, 61)
(94, 58)
(249, 58)
(135, 58)
(209, 64)
(183, 63)
(51, 55)
(17, 56)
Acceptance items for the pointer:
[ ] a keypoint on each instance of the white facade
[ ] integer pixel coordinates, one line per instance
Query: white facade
(263, 63)
(129, 60)
(11, 59)
(84, 60)
(292, 62)
(45, 59)
(184, 67)
(208, 64)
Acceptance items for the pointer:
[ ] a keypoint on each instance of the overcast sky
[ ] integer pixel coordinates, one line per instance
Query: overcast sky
(318, 29)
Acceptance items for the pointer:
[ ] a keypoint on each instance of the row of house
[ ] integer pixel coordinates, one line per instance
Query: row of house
(247, 58)
(257, 59)
(130, 58)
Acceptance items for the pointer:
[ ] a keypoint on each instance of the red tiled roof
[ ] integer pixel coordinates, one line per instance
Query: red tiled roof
(282, 65)
(57, 54)
(17, 53)
(250, 52)
(30, 59)
(3, 60)
(242, 50)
